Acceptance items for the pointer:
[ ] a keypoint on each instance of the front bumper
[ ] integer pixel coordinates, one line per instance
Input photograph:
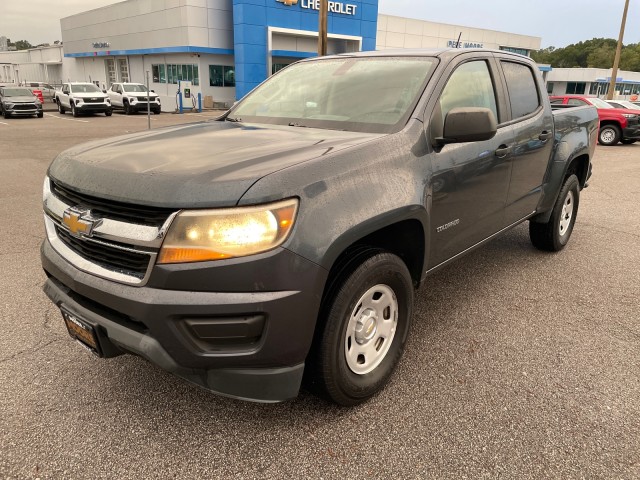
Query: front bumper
(247, 344)
(93, 107)
(22, 112)
(142, 106)
(631, 133)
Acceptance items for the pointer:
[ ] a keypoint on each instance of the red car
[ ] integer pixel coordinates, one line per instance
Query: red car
(616, 124)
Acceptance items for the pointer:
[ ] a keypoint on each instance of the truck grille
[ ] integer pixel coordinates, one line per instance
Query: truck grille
(24, 106)
(125, 212)
(108, 256)
(93, 100)
(121, 242)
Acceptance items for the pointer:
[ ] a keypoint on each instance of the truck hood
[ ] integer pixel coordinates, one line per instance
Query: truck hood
(202, 165)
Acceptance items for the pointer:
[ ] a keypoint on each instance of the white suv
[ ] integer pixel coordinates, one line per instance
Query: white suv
(132, 97)
(82, 98)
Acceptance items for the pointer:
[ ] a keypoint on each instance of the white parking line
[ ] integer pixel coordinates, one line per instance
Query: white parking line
(69, 119)
(4, 124)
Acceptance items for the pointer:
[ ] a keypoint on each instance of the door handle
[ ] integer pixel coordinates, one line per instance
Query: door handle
(544, 136)
(503, 151)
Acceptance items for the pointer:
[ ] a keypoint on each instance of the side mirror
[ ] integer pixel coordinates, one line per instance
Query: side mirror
(469, 124)
(104, 91)
(152, 91)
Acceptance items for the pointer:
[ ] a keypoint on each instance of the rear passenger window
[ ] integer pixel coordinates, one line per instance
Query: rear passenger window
(523, 91)
(576, 101)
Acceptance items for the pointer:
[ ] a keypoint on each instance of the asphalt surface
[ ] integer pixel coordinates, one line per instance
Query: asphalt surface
(520, 364)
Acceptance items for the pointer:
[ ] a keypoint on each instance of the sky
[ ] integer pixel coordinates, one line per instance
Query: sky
(558, 22)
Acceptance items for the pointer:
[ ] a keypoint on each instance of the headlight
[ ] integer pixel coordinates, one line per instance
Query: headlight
(8, 104)
(203, 235)
(108, 100)
(132, 99)
(78, 101)
(629, 115)
(158, 99)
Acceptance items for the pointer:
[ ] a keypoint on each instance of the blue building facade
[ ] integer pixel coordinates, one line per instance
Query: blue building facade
(269, 34)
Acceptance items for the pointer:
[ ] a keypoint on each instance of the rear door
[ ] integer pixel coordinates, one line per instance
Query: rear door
(469, 180)
(532, 123)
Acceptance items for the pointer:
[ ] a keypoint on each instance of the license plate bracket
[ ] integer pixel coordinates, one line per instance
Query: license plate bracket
(82, 331)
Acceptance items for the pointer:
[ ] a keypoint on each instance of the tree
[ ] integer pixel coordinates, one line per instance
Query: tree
(21, 45)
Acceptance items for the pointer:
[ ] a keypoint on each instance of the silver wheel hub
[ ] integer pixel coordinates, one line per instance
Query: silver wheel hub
(607, 135)
(567, 214)
(371, 329)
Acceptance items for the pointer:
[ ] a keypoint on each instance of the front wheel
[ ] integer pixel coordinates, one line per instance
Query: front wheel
(127, 109)
(629, 142)
(108, 113)
(74, 110)
(60, 108)
(554, 235)
(609, 135)
(366, 323)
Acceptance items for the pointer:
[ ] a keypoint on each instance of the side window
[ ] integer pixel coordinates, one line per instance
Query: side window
(522, 88)
(557, 101)
(576, 101)
(469, 86)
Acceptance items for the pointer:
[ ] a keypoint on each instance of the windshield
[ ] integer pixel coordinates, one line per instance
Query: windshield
(374, 95)
(84, 88)
(17, 92)
(134, 88)
(596, 102)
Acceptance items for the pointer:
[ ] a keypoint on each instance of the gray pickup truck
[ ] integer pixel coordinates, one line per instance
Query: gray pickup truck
(284, 241)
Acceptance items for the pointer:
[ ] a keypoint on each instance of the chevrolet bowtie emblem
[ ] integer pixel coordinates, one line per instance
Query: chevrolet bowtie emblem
(288, 2)
(79, 222)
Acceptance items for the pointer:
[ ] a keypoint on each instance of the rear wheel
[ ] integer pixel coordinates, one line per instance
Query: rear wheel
(366, 318)
(609, 135)
(554, 235)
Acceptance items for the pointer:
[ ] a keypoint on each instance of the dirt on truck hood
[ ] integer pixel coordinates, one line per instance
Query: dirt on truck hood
(208, 164)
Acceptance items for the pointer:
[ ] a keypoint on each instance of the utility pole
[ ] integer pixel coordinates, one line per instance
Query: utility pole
(322, 28)
(616, 61)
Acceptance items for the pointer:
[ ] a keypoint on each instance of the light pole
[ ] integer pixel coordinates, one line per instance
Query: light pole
(322, 28)
(616, 61)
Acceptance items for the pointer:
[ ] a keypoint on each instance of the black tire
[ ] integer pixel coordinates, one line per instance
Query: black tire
(156, 112)
(108, 113)
(554, 235)
(60, 108)
(6, 114)
(127, 108)
(629, 142)
(369, 273)
(74, 110)
(40, 115)
(609, 135)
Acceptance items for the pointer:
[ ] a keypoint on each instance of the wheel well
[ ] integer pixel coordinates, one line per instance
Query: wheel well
(610, 122)
(404, 239)
(579, 167)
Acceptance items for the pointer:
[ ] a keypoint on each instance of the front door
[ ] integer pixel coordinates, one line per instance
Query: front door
(470, 180)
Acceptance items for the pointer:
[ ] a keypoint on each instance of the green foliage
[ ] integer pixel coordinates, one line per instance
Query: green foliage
(594, 53)
(21, 45)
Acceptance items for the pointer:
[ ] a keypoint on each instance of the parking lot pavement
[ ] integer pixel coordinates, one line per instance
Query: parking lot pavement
(520, 364)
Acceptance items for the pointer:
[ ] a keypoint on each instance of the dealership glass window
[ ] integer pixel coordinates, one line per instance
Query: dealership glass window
(276, 67)
(222, 76)
(155, 73)
(521, 51)
(550, 88)
(522, 89)
(576, 87)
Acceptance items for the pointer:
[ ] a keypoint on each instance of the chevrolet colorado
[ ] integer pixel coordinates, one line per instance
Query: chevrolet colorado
(288, 236)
